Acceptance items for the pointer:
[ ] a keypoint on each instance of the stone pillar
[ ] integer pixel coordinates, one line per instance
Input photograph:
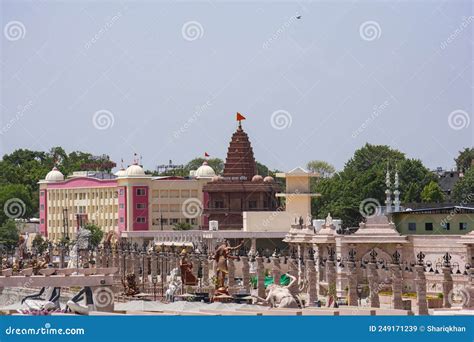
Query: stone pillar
(373, 279)
(447, 286)
(121, 263)
(136, 264)
(420, 284)
(231, 276)
(146, 266)
(205, 272)
(195, 263)
(293, 267)
(154, 264)
(245, 273)
(469, 291)
(312, 280)
(260, 277)
(397, 287)
(352, 284)
(276, 269)
(331, 280)
(129, 262)
(301, 251)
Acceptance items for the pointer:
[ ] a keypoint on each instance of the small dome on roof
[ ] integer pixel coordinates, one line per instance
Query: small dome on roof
(268, 179)
(54, 175)
(257, 178)
(205, 171)
(134, 170)
(121, 173)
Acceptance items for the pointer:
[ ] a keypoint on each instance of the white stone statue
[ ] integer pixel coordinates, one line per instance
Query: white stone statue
(174, 283)
(309, 220)
(279, 296)
(329, 220)
(82, 242)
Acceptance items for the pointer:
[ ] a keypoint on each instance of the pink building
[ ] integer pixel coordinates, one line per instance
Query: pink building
(128, 201)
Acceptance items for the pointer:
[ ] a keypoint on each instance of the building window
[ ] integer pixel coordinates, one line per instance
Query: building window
(122, 220)
(121, 192)
(122, 206)
(42, 193)
(412, 226)
(141, 219)
(42, 221)
(164, 221)
(219, 204)
(446, 225)
(252, 204)
(462, 225)
(174, 221)
(141, 192)
(42, 207)
(141, 205)
(193, 221)
(429, 226)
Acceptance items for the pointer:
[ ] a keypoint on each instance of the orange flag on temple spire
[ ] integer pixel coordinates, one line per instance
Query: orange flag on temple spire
(206, 154)
(240, 117)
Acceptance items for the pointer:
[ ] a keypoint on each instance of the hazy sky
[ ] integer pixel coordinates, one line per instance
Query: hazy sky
(165, 79)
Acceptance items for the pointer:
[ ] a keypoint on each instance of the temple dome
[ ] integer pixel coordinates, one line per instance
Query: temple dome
(54, 175)
(121, 173)
(257, 178)
(134, 170)
(205, 171)
(268, 179)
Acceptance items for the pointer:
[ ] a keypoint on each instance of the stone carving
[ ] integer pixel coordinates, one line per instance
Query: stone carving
(279, 296)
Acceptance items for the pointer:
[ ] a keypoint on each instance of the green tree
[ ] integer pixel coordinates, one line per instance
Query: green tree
(464, 159)
(412, 195)
(15, 202)
(463, 192)
(39, 243)
(96, 234)
(9, 234)
(432, 193)
(182, 226)
(323, 168)
(363, 177)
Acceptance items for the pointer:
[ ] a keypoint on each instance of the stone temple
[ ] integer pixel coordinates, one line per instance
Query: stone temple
(240, 188)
